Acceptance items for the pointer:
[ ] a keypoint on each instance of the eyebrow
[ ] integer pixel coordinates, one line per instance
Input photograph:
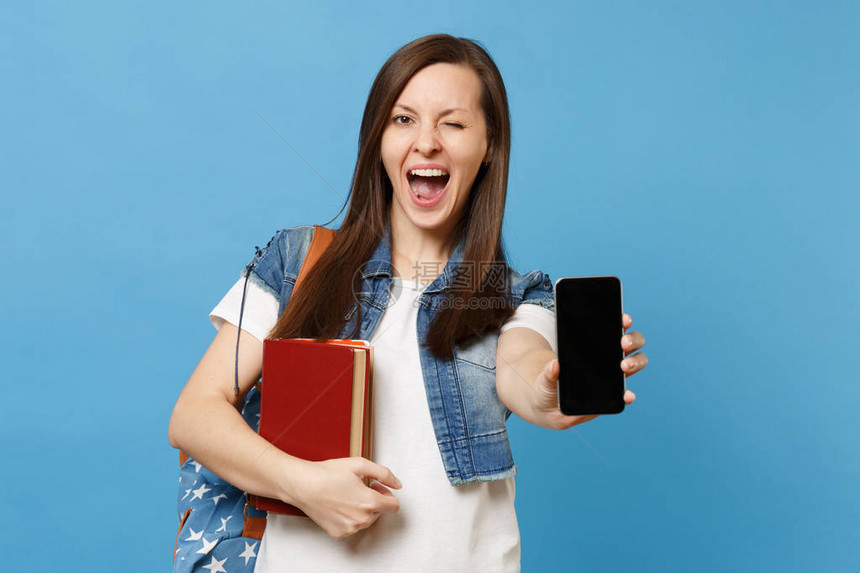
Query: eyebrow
(444, 111)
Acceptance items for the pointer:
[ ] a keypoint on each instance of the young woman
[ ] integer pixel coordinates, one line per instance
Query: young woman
(460, 340)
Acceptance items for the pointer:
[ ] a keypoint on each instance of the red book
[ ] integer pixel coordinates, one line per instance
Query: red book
(316, 402)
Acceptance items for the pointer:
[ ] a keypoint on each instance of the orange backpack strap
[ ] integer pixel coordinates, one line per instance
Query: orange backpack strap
(320, 242)
(254, 527)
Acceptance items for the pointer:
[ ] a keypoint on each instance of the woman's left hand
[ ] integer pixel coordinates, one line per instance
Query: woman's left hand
(546, 384)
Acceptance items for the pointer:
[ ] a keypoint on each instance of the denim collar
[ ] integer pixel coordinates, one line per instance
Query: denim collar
(380, 263)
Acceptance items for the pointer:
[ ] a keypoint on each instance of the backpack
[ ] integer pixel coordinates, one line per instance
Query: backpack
(216, 522)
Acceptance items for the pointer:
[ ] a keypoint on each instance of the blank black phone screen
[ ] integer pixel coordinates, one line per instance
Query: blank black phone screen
(588, 316)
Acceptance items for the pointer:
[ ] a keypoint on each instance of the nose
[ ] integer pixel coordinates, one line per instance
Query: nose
(426, 141)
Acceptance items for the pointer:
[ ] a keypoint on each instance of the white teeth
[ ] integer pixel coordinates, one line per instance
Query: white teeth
(428, 172)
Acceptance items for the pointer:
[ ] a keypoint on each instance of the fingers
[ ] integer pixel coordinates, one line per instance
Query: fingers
(633, 364)
(382, 474)
(629, 397)
(375, 485)
(388, 502)
(384, 477)
(632, 342)
(551, 370)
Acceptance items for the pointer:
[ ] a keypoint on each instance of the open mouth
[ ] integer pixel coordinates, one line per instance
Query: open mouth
(427, 183)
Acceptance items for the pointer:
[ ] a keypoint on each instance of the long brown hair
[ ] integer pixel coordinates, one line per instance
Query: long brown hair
(317, 309)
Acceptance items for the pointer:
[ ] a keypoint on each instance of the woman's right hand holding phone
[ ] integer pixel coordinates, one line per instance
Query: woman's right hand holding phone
(333, 494)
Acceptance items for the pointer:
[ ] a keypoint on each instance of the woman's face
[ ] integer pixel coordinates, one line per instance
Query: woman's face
(433, 145)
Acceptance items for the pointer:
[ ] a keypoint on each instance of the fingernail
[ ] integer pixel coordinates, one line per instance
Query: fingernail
(398, 482)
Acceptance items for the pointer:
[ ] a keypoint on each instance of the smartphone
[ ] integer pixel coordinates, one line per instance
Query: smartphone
(589, 329)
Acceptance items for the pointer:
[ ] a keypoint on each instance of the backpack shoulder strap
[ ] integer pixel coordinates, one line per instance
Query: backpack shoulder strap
(321, 240)
(254, 526)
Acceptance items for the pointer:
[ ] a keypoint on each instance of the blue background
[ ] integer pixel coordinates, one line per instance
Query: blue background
(707, 154)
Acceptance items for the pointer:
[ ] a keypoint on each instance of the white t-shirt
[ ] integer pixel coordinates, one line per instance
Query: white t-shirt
(440, 527)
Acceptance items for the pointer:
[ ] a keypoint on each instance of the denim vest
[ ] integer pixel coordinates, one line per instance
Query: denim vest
(467, 416)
